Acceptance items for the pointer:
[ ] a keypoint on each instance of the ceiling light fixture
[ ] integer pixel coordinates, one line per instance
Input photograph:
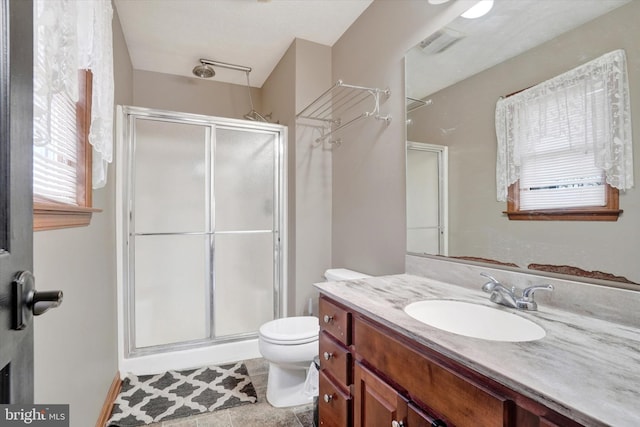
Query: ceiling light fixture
(480, 9)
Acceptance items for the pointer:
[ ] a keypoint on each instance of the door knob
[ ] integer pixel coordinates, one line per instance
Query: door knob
(43, 301)
(27, 302)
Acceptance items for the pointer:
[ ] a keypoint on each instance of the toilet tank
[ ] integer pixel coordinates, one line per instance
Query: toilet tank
(337, 274)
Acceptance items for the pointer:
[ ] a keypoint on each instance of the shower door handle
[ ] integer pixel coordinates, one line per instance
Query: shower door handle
(27, 302)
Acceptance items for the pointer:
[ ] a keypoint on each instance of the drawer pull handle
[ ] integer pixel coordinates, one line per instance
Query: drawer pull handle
(327, 355)
(327, 318)
(395, 423)
(328, 398)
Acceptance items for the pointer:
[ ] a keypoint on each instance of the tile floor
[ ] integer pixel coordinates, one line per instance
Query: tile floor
(260, 414)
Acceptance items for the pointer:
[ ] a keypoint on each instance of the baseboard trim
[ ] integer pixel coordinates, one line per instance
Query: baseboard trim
(107, 407)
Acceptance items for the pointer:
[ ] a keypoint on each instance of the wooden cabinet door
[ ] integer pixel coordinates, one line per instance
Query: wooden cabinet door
(417, 418)
(376, 403)
(334, 406)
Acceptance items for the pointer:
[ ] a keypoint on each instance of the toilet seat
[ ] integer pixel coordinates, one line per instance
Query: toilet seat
(291, 330)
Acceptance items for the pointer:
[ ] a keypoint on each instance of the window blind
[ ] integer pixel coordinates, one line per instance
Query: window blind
(549, 131)
(558, 168)
(55, 164)
(55, 157)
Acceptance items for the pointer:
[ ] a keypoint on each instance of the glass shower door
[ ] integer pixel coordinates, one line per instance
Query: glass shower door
(245, 230)
(203, 219)
(171, 239)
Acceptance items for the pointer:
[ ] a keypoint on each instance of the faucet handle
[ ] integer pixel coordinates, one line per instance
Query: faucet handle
(527, 302)
(527, 293)
(490, 277)
(489, 286)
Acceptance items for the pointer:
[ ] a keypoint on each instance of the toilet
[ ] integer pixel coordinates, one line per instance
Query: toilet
(289, 345)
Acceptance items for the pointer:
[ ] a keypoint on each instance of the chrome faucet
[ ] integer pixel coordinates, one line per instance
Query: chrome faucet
(505, 296)
(527, 302)
(499, 293)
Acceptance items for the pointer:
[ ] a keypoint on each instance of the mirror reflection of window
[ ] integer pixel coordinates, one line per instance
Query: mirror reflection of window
(565, 146)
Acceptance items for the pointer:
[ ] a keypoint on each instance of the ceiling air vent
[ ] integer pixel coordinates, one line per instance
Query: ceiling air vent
(440, 41)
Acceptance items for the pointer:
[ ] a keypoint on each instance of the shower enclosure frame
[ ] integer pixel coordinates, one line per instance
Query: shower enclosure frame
(126, 117)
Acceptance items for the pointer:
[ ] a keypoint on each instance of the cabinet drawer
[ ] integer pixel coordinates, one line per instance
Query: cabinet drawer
(443, 392)
(334, 405)
(335, 359)
(335, 320)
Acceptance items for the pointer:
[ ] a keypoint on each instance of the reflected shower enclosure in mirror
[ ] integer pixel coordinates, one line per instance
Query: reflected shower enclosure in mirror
(463, 69)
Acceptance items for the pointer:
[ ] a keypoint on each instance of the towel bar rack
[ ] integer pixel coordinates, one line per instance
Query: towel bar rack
(336, 107)
(413, 103)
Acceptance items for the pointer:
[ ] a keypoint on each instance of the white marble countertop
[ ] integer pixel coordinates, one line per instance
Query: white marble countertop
(585, 368)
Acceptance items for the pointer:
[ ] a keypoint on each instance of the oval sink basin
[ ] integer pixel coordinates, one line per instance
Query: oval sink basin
(474, 320)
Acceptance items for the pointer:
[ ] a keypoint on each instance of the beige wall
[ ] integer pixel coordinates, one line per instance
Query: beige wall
(303, 73)
(75, 344)
(478, 227)
(313, 177)
(278, 94)
(192, 95)
(368, 232)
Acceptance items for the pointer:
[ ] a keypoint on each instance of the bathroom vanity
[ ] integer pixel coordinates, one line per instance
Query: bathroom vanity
(380, 367)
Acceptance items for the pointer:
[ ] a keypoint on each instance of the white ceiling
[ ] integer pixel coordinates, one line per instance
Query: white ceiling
(510, 28)
(169, 36)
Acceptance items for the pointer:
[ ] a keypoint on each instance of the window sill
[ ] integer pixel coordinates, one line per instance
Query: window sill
(49, 216)
(566, 215)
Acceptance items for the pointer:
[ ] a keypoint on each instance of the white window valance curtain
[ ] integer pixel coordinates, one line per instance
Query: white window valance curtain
(71, 35)
(588, 106)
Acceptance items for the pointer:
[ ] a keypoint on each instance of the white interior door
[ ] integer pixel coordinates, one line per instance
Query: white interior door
(427, 199)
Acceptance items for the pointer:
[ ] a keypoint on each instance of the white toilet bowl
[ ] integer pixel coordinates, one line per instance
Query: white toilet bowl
(289, 345)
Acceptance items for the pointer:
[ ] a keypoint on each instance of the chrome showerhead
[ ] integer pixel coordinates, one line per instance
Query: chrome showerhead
(204, 71)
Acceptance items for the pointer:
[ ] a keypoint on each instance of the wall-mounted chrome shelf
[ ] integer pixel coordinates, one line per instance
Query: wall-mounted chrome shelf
(340, 106)
(413, 104)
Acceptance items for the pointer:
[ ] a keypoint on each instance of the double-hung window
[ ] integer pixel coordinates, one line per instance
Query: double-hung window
(564, 146)
(72, 120)
(62, 190)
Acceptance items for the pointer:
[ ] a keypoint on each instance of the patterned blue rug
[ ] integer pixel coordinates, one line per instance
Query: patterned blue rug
(149, 399)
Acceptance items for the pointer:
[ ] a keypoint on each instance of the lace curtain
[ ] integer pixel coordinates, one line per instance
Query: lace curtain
(590, 107)
(71, 35)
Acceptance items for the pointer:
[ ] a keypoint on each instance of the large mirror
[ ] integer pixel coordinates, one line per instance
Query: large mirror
(454, 79)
